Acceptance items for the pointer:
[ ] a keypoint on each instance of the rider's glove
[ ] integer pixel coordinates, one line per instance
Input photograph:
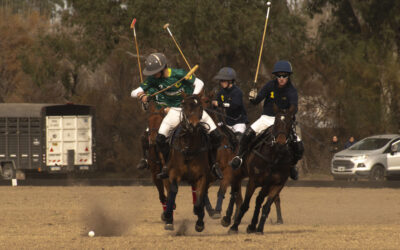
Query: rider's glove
(252, 94)
(226, 105)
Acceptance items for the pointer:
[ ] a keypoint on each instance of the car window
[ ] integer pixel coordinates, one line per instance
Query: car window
(389, 148)
(370, 144)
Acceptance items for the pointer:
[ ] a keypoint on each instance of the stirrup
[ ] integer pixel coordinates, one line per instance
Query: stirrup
(163, 174)
(142, 164)
(217, 171)
(236, 162)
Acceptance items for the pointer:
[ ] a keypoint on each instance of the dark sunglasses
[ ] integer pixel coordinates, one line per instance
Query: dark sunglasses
(282, 76)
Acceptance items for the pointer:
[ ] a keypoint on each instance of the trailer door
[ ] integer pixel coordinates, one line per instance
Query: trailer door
(68, 136)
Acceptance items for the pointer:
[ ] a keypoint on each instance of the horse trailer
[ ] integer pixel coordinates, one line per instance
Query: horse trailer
(51, 138)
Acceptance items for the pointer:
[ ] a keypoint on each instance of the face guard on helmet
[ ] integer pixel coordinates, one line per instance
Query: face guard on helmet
(154, 63)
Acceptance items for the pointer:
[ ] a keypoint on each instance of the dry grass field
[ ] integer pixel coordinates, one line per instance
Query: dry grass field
(129, 218)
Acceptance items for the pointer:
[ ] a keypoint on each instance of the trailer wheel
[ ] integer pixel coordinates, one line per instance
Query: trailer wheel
(8, 171)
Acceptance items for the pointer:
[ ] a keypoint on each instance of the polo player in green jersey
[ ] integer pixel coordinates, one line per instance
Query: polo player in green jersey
(160, 76)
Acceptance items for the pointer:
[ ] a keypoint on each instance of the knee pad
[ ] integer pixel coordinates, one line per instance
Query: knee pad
(161, 139)
(215, 138)
(249, 132)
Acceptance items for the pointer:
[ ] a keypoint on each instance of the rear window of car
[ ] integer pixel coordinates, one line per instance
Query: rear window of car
(370, 144)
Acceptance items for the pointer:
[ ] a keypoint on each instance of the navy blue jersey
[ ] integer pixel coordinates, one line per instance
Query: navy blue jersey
(282, 97)
(236, 112)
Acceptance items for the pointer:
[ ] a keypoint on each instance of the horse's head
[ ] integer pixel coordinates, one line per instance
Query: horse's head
(154, 119)
(283, 124)
(192, 111)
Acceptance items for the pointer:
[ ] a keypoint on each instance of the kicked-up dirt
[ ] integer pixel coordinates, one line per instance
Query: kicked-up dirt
(129, 218)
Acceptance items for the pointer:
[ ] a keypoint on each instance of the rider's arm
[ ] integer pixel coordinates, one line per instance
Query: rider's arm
(236, 99)
(198, 86)
(293, 98)
(135, 92)
(261, 95)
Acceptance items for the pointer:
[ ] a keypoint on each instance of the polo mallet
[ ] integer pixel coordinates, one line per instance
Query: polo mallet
(262, 45)
(166, 26)
(137, 48)
(186, 77)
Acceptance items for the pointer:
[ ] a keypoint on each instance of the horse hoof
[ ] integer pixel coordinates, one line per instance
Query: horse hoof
(279, 222)
(233, 231)
(259, 232)
(163, 217)
(225, 222)
(199, 226)
(211, 212)
(251, 229)
(216, 215)
(169, 227)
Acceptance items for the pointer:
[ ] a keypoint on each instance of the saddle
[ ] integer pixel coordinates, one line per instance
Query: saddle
(265, 137)
(233, 142)
(177, 132)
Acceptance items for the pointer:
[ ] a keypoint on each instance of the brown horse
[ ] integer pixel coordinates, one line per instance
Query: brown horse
(188, 160)
(268, 167)
(154, 119)
(226, 152)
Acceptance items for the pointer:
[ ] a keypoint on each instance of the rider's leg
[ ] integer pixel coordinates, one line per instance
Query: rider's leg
(215, 138)
(247, 137)
(170, 121)
(298, 151)
(239, 130)
(145, 150)
(261, 124)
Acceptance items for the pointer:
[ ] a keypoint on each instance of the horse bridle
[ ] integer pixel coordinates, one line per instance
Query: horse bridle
(282, 119)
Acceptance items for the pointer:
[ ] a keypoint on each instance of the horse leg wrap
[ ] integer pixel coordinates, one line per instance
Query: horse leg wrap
(229, 211)
(164, 206)
(171, 199)
(194, 196)
(221, 197)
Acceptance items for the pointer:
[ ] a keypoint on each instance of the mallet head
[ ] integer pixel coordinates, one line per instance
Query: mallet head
(166, 26)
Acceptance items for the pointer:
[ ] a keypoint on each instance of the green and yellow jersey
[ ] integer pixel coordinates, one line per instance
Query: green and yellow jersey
(171, 97)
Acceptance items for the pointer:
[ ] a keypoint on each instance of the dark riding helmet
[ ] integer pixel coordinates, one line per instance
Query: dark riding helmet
(154, 63)
(282, 66)
(226, 73)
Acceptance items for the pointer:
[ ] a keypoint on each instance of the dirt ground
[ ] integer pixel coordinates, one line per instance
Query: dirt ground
(129, 218)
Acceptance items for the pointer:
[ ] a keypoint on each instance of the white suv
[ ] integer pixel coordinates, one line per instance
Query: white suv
(374, 157)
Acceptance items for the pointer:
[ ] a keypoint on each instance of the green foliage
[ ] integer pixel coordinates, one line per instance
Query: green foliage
(358, 42)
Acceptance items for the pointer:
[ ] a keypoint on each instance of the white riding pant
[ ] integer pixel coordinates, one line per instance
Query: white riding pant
(263, 123)
(240, 127)
(173, 118)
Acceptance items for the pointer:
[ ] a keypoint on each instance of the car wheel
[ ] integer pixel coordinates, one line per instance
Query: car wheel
(7, 171)
(377, 174)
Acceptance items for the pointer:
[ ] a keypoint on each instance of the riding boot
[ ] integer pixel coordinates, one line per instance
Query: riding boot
(238, 136)
(215, 139)
(298, 151)
(294, 174)
(247, 137)
(145, 151)
(163, 147)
